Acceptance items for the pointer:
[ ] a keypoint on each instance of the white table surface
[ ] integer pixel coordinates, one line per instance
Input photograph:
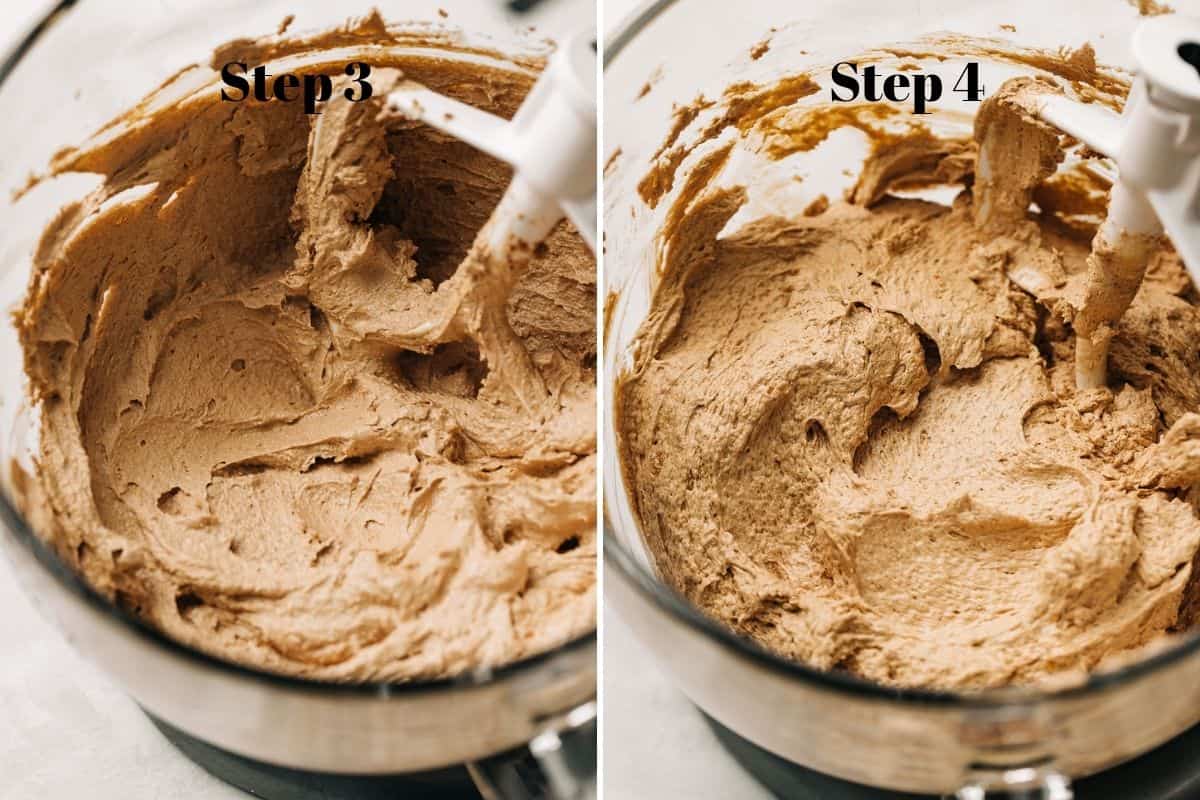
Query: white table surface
(68, 732)
(656, 745)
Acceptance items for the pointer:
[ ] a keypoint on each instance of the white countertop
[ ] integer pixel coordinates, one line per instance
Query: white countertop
(70, 733)
(656, 744)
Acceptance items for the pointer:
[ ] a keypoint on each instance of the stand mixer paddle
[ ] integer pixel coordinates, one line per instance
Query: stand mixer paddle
(1154, 143)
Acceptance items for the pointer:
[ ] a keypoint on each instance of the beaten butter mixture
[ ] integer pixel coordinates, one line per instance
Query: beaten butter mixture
(854, 435)
(289, 415)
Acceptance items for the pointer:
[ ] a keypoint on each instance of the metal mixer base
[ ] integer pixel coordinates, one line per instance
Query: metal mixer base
(1169, 772)
(271, 782)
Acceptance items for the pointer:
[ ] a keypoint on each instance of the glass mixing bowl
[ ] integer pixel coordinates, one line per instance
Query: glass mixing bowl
(85, 63)
(937, 742)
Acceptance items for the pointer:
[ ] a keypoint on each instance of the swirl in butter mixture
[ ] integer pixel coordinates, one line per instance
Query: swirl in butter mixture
(289, 415)
(855, 437)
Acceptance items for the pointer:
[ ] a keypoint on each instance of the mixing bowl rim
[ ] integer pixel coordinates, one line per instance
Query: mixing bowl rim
(683, 610)
(82, 591)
